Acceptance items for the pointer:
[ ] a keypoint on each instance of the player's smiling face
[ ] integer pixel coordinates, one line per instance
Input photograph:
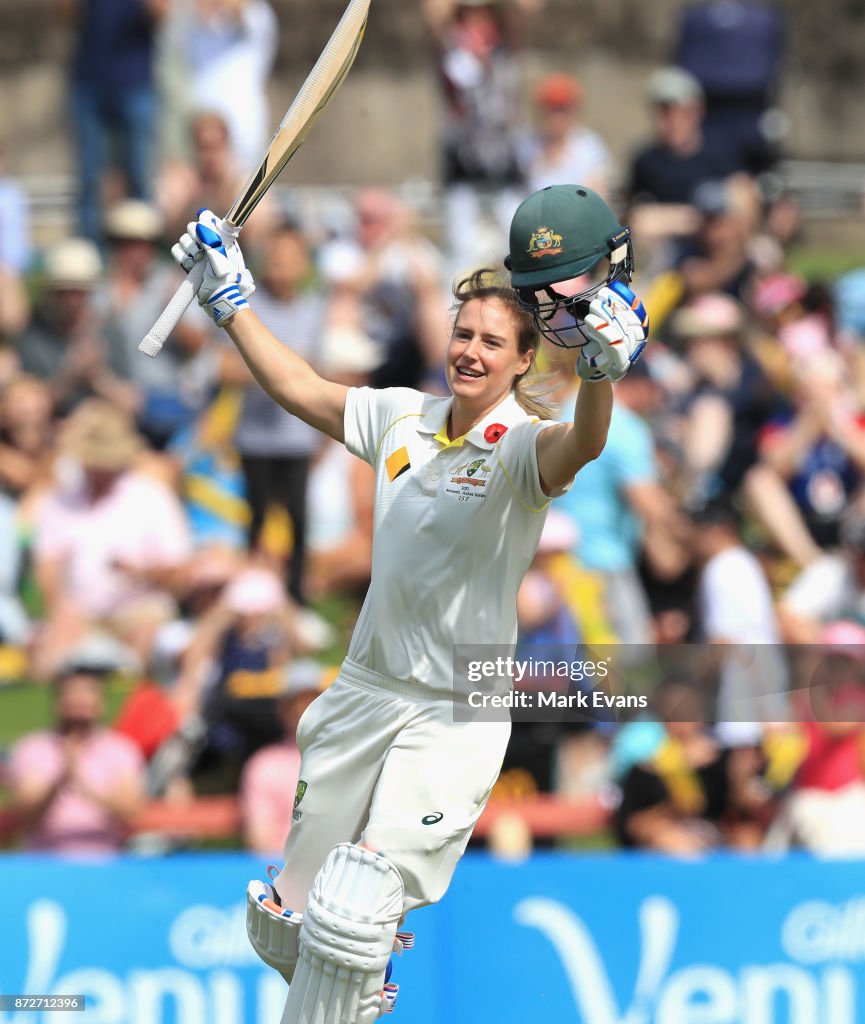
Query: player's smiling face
(483, 357)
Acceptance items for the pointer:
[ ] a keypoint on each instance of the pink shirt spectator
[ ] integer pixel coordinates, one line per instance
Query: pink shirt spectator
(267, 789)
(140, 522)
(73, 823)
(833, 759)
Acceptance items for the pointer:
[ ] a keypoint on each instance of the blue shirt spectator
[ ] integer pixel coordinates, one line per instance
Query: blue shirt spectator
(623, 512)
(610, 529)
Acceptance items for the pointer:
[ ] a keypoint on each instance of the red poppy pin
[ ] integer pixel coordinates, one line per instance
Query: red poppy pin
(495, 432)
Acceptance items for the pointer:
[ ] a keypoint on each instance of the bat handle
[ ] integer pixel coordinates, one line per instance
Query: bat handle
(170, 317)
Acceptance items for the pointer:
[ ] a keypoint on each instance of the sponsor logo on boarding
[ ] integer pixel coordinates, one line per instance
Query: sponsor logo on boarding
(470, 478)
(816, 972)
(545, 242)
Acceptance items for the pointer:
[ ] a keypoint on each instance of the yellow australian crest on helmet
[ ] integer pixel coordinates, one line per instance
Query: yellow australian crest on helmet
(545, 242)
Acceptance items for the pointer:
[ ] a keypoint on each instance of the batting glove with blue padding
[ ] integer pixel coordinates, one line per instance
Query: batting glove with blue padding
(227, 283)
(617, 327)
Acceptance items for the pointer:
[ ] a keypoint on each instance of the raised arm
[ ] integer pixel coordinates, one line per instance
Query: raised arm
(224, 292)
(564, 449)
(616, 329)
(287, 378)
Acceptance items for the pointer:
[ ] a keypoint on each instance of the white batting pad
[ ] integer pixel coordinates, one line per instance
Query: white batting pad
(346, 939)
(273, 931)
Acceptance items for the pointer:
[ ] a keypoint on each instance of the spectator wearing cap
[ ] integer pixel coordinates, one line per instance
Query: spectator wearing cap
(665, 173)
(729, 401)
(63, 344)
(561, 149)
(108, 540)
(669, 169)
(831, 587)
(232, 672)
(76, 787)
(736, 611)
(276, 448)
(270, 784)
(166, 393)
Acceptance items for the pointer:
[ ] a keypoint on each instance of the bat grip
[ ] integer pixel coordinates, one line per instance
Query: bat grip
(170, 316)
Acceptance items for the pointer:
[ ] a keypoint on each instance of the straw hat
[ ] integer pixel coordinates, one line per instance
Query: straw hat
(102, 437)
(135, 220)
(73, 263)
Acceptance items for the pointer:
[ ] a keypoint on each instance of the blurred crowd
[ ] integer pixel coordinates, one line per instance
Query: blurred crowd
(164, 523)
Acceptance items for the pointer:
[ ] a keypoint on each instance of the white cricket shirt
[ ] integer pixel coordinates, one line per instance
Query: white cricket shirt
(456, 527)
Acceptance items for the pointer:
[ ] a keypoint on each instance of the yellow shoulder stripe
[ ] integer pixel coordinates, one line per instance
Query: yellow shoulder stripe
(517, 494)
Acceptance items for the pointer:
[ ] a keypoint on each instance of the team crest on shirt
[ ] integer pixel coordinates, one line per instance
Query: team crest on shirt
(545, 242)
(469, 480)
(298, 796)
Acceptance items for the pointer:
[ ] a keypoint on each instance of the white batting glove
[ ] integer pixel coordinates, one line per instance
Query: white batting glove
(227, 283)
(617, 327)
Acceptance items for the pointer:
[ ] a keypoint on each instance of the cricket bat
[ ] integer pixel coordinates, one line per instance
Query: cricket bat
(323, 81)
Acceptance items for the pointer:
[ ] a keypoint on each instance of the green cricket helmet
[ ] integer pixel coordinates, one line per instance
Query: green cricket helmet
(559, 234)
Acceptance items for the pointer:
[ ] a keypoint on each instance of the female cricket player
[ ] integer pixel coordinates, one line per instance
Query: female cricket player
(392, 782)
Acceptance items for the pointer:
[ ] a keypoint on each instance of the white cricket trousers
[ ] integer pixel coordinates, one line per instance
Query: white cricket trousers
(385, 764)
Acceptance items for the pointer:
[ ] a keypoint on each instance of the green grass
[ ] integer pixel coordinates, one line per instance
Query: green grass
(825, 262)
(27, 707)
